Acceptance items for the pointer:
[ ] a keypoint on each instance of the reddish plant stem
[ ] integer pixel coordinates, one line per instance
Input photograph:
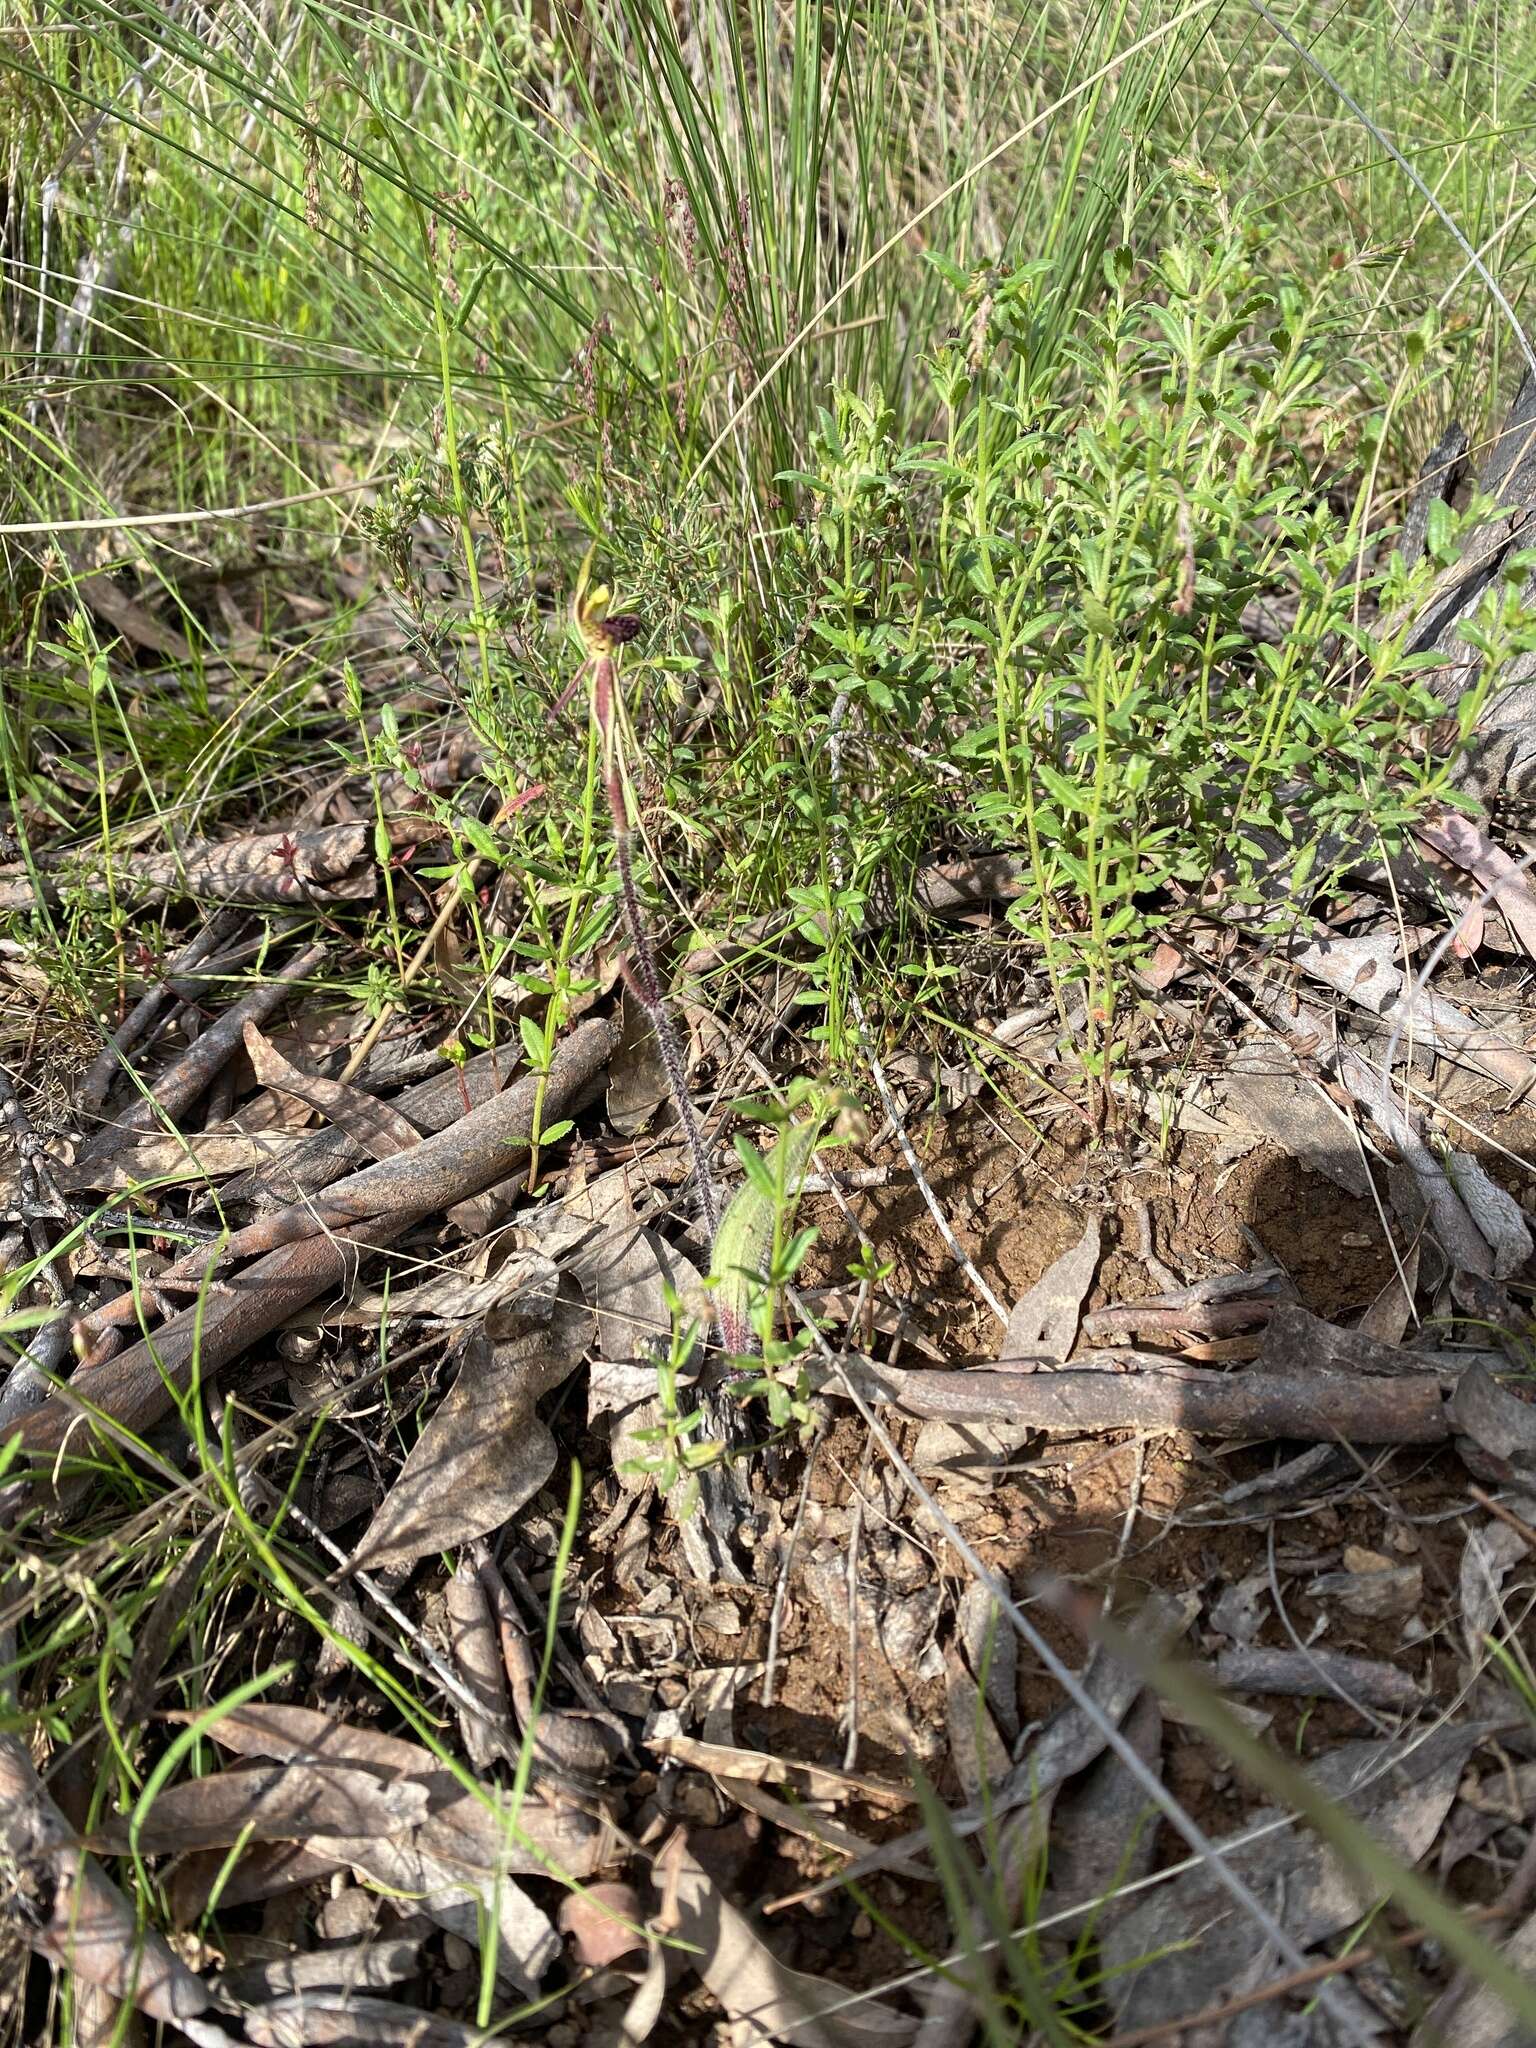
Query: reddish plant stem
(641, 972)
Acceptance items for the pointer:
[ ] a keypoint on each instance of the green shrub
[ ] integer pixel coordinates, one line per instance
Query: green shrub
(1061, 592)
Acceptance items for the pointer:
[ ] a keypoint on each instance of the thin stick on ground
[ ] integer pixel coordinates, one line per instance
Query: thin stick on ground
(113, 1057)
(179, 1087)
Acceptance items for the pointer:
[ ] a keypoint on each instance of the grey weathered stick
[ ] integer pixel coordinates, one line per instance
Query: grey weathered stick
(469, 1155)
(109, 1062)
(178, 1088)
(134, 1389)
(311, 1246)
(1130, 1390)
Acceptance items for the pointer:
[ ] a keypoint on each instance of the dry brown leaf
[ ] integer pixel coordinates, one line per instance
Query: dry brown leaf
(209, 1155)
(488, 1735)
(991, 1651)
(263, 1728)
(287, 1802)
(155, 1634)
(770, 2001)
(1374, 1592)
(1261, 1090)
(1401, 1790)
(460, 1858)
(624, 1270)
(1386, 1320)
(637, 1080)
(461, 1827)
(1363, 969)
(1298, 1342)
(976, 1748)
(1365, 1682)
(263, 1871)
(485, 1452)
(801, 1819)
(1104, 1828)
(644, 2009)
(461, 1875)
(125, 614)
(1043, 1325)
(1044, 1321)
(525, 1285)
(720, 1759)
(1481, 2019)
(1488, 1556)
(1456, 837)
(379, 1129)
(65, 1907)
(1496, 1429)
(603, 1922)
(1499, 1218)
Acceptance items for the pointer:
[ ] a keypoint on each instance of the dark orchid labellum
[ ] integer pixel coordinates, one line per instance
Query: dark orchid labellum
(620, 628)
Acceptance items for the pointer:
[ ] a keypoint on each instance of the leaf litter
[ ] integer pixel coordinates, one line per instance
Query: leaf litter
(1234, 1401)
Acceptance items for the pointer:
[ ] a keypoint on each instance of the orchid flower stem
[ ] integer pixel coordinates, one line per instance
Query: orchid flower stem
(641, 972)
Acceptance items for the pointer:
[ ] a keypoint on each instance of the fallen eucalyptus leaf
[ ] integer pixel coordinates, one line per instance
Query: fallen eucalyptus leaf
(1043, 1325)
(485, 1453)
(637, 1079)
(65, 1907)
(1045, 1319)
(1400, 1790)
(603, 1923)
(379, 1129)
(1495, 1428)
(1104, 1828)
(525, 1285)
(287, 1802)
(467, 1894)
(1481, 2019)
(1496, 1213)
(768, 2000)
(1373, 1595)
(1488, 1556)
(1456, 836)
(1262, 1091)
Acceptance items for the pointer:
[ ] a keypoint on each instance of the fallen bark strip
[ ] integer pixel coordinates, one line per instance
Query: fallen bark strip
(309, 1248)
(1131, 1390)
(431, 1106)
(137, 1387)
(179, 1087)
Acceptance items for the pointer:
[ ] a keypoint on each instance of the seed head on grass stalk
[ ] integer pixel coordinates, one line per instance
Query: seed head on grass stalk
(603, 634)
